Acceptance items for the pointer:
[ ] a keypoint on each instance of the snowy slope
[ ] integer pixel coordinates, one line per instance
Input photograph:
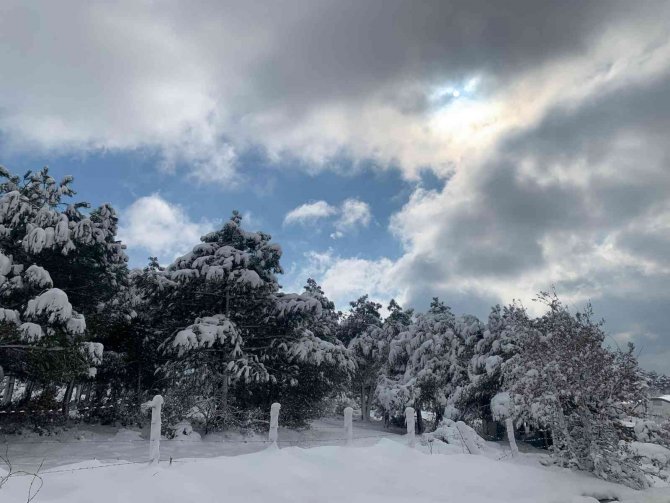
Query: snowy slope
(386, 472)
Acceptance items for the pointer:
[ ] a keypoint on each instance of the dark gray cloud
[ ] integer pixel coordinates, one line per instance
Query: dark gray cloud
(305, 78)
(579, 200)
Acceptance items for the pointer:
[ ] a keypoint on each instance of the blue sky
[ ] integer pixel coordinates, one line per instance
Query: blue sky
(269, 192)
(478, 151)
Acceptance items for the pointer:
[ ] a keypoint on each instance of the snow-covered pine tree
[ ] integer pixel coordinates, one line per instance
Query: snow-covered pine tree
(227, 286)
(485, 369)
(57, 264)
(361, 330)
(417, 373)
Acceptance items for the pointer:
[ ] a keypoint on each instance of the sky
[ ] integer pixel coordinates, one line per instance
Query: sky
(477, 151)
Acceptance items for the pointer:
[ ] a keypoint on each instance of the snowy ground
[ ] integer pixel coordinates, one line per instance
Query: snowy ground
(373, 470)
(84, 443)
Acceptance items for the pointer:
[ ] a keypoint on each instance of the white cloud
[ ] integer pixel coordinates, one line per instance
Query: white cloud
(161, 228)
(309, 213)
(346, 279)
(354, 213)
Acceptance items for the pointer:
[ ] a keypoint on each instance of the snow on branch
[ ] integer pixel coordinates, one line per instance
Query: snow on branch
(207, 332)
(294, 303)
(53, 303)
(38, 277)
(313, 350)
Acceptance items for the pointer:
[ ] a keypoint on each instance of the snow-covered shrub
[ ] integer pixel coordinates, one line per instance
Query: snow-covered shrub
(183, 431)
(654, 460)
(565, 378)
(341, 402)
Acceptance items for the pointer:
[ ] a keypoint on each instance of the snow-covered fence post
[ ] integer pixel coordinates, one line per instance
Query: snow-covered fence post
(409, 419)
(155, 437)
(348, 427)
(274, 422)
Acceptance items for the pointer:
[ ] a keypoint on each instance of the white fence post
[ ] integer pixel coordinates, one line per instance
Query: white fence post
(348, 427)
(155, 438)
(409, 419)
(274, 422)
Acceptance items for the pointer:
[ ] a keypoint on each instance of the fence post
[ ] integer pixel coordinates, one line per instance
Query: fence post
(348, 427)
(274, 421)
(409, 419)
(155, 438)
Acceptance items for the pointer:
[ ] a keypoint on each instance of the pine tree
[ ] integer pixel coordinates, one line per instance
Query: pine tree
(57, 264)
(361, 329)
(227, 331)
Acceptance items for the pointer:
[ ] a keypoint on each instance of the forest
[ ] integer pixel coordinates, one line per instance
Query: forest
(214, 333)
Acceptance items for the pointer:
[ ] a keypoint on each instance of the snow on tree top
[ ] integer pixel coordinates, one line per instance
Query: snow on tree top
(501, 405)
(289, 303)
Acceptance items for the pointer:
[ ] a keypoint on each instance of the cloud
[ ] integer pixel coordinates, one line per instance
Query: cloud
(346, 278)
(572, 194)
(199, 84)
(547, 120)
(352, 214)
(309, 213)
(161, 228)
(577, 199)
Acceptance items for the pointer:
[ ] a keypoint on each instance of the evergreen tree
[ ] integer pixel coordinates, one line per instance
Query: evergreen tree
(57, 264)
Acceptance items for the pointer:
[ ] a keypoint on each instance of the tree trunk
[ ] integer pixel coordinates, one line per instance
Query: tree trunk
(28, 394)
(68, 398)
(438, 415)
(9, 390)
(510, 436)
(368, 405)
(365, 414)
(77, 394)
(86, 391)
(419, 421)
(139, 382)
(362, 402)
(223, 406)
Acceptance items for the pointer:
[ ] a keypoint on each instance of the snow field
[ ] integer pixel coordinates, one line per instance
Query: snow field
(386, 472)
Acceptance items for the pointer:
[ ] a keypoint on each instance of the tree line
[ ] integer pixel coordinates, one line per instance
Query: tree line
(214, 333)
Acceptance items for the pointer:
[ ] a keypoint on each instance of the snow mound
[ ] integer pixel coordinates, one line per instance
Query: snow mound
(458, 434)
(183, 431)
(125, 435)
